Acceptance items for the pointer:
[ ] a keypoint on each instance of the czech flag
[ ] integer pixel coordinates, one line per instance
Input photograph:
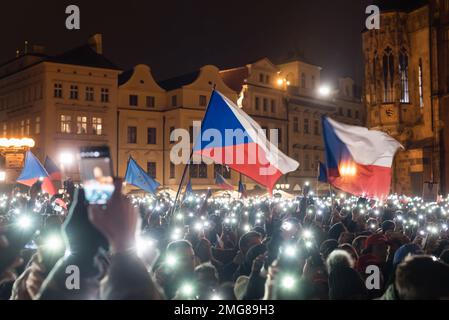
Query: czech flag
(33, 171)
(322, 173)
(53, 171)
(230, 137)
(136, 176)
(222, 183)
(358, 160)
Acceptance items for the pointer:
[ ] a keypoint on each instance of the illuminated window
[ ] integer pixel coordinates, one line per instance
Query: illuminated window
(73, 92)
(89, 94)
(97, 126)
(57, 90)
(104, 95)
(66, 123)
(81, 125)
(37, 125)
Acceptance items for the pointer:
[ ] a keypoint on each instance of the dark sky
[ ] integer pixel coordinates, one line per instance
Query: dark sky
(176, 37)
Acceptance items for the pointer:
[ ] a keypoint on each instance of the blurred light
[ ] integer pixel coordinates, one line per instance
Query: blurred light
(307, 234)
(53, 243)
(17, 143)
(288, 282)
(290, 251)
(187, 289)
(24, 222)
(324, 91)
(2, 176)
(171, 260)
(66, 158)
(287, 226)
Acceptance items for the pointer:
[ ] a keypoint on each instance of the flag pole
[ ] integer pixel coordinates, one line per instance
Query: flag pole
(189, 162)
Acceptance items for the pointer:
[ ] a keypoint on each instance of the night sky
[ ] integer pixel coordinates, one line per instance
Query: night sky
(177, 37)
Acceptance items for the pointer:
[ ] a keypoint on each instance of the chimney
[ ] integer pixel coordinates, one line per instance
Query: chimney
(96, 43)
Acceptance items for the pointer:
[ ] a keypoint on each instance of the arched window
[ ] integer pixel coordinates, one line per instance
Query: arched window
(403, 73)
(388, 75)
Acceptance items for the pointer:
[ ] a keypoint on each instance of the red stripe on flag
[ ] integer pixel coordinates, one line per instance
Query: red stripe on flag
(369, 181)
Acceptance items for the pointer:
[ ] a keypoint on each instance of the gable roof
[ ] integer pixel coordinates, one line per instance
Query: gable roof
(83, 56)
(178, 82)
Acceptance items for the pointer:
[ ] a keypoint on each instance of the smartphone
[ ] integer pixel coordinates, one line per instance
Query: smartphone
(96, 174)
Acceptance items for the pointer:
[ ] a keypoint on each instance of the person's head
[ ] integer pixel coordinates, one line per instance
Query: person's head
(327, 247)
(336, 230)
(248, 240)
(388, 225)
(359, 244)
(406, 250)
(337, 259)
(182, 253)
(206, 277)
(376, 244)
(422, 278)
(345, 237)
(351, 250)
(346, 284)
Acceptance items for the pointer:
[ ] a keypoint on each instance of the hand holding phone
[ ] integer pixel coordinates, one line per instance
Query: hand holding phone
(96, 174)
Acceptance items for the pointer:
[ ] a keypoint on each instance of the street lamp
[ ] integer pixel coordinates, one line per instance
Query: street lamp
(324, 91)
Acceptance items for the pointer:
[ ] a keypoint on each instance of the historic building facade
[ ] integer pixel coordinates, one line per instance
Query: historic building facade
(80, 98)
(403, 93)
(62, 101)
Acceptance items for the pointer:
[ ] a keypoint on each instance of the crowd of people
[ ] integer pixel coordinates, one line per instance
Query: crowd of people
(335, 247)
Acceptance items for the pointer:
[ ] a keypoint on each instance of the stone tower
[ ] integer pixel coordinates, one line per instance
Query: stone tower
(398, 90)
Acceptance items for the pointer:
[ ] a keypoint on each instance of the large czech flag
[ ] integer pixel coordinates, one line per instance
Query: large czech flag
(33, 171)
(230, 137)
(358, 160)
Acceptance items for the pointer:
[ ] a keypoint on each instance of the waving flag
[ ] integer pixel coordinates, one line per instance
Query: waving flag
(236, 140)
(52, 170)
(358, 160)
(137, 177)
(222, 183)
(322, 173)
(33, 171)
(242, 189)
